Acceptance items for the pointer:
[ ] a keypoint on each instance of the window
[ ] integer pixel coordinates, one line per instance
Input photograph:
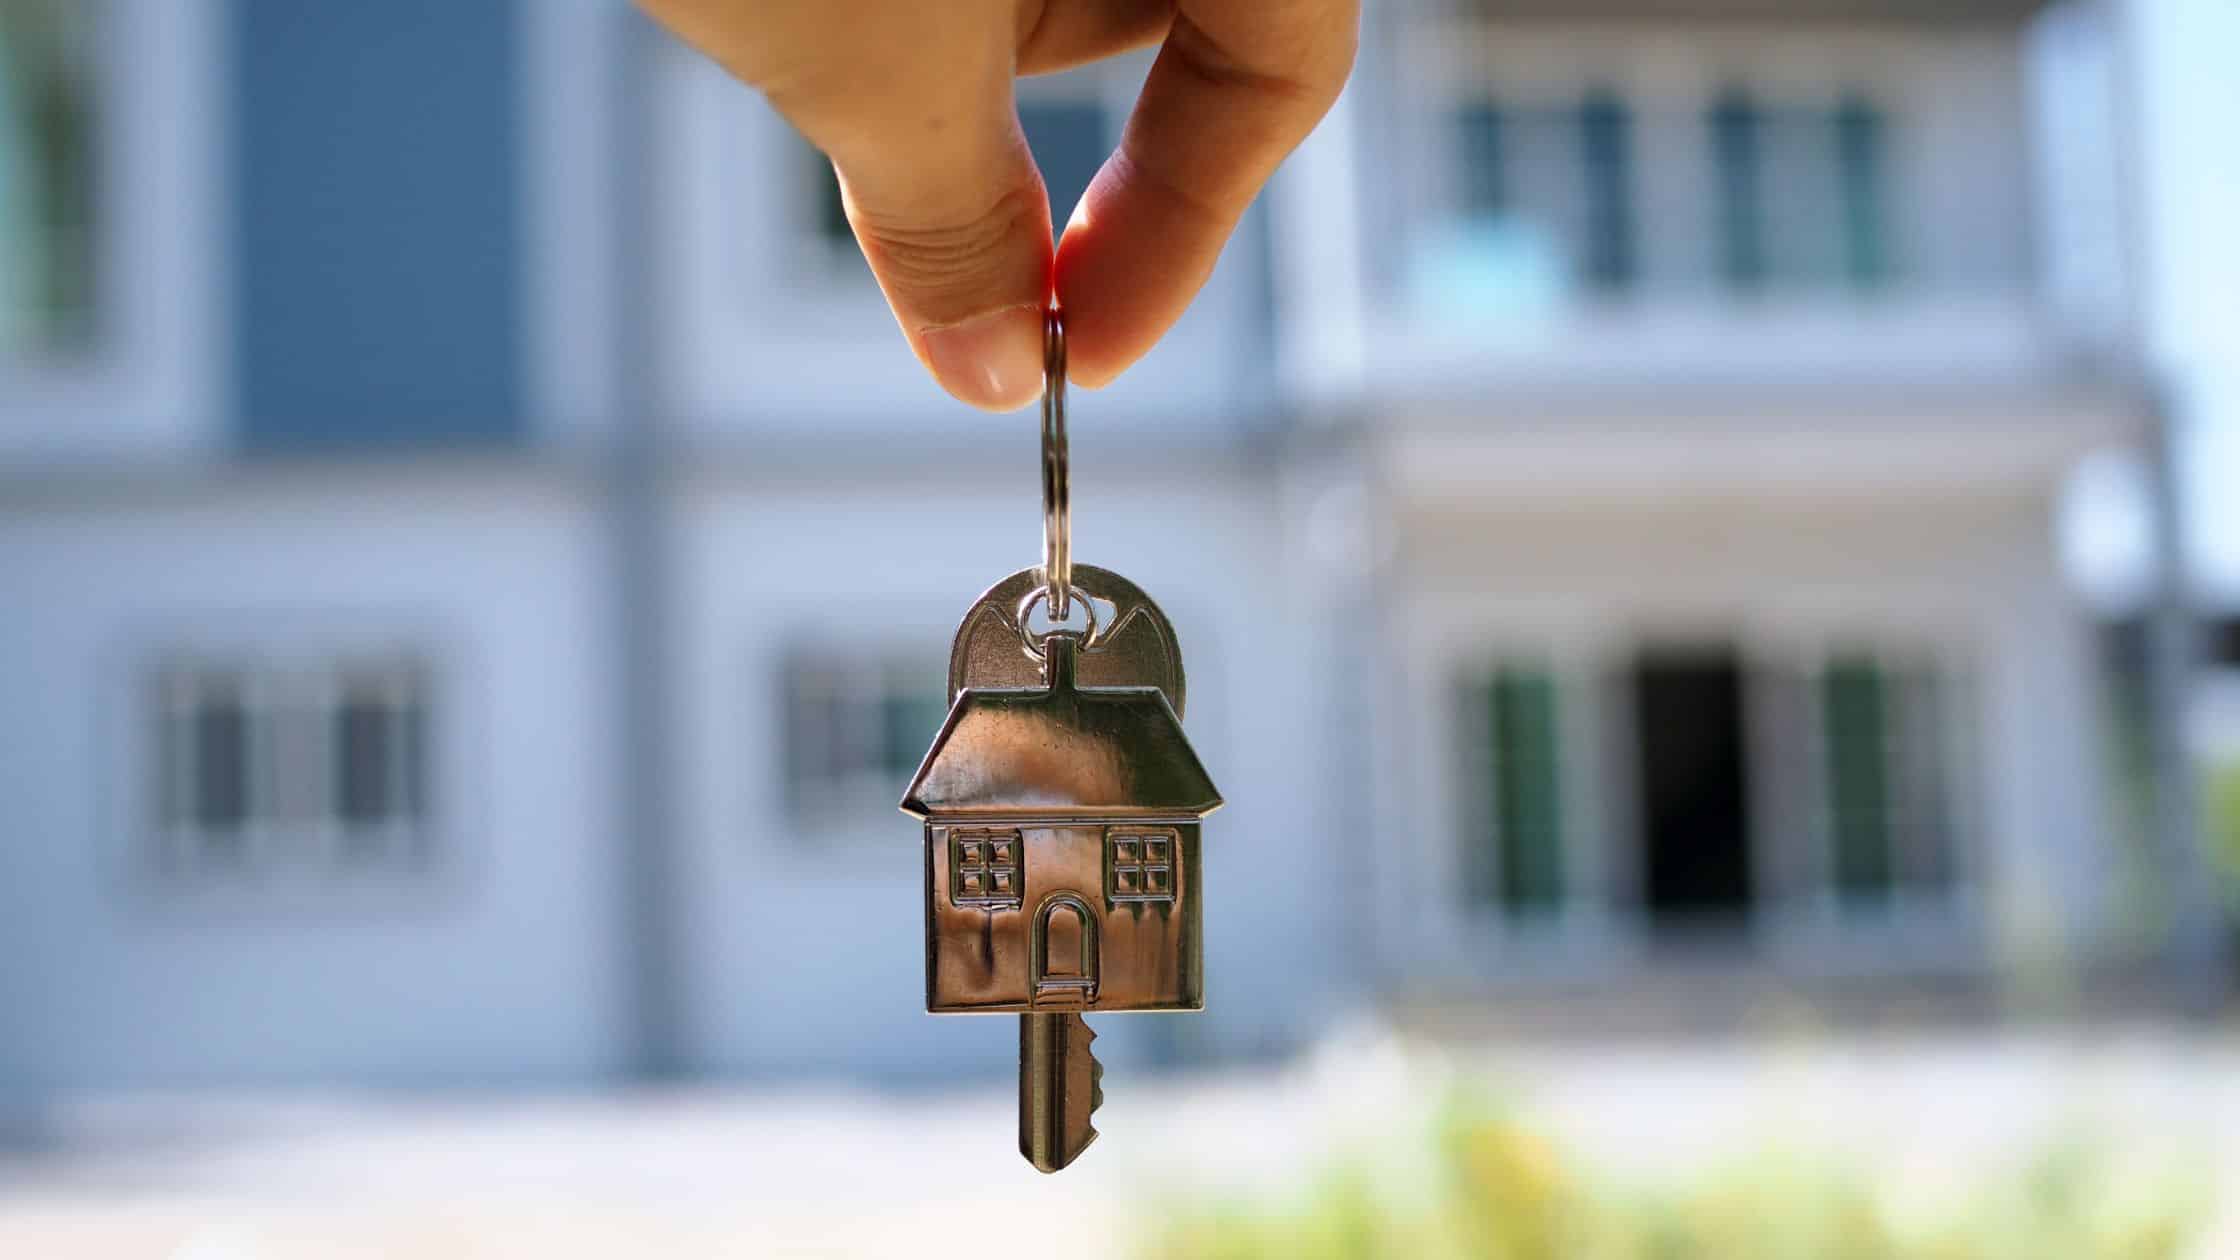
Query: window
(1478, 129)
(263, 767)
(46, 174)
(1513, 855)
(1605, 150)
(1859, 155)
(1544, 199)
(1883, 735)
(855, 730)
(828, 211)
(1139, 865)
(1800, 194)
(984, 869)
(1068, 139)
(1735, 126)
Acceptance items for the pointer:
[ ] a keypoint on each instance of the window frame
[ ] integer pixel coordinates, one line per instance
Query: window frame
(1744, 130)
(1910, 922)
(1492, 861)
(1424, 915)
(993, 867)
(152, 370)
(827, 808)
(1141, 865)
(292, 827)
(1908, 874)
(1457, 64)
(82, 41)
(1609, 261)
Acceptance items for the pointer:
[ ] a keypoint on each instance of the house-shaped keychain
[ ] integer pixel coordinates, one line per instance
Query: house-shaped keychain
(1061, 830)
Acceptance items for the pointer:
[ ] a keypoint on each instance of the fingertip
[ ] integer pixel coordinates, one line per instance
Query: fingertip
(1125, 270)
(992, 361)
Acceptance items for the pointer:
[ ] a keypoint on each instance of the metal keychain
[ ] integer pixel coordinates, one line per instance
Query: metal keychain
(1062, 805)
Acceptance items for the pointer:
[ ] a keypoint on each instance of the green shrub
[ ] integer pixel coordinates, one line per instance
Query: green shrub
(2223, 810)
(1506, 1192)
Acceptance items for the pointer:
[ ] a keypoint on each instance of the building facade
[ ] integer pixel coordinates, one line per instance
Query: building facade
(479, 565)
(1715, 403)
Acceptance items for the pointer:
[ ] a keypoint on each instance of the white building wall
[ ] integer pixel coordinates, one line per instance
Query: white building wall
(497, 963)
(2054, 865)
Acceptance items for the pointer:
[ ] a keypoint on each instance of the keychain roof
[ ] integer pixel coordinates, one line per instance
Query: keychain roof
(1062, 750)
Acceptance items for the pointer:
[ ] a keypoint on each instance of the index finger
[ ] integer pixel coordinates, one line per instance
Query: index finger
(1236, 87)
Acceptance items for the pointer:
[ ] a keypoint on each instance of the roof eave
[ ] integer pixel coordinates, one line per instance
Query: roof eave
(1118, 815)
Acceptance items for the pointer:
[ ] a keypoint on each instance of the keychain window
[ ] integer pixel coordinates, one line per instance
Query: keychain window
(984, 869)
(1139, 865)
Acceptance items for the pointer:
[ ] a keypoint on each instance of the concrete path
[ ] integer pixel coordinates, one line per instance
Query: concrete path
(846, 1172)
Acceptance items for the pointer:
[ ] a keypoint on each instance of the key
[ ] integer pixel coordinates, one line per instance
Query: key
(1060, 1084)
(1061, 804)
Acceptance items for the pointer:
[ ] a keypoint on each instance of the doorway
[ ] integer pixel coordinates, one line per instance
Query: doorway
(1695, 826)
(1064, 950)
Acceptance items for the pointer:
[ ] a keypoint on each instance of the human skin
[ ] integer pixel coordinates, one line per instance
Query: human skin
(912, 101)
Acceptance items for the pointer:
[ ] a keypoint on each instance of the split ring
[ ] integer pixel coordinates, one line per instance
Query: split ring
(1057, 493)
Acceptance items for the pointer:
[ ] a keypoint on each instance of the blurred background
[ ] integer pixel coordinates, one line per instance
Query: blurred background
(1700, 531)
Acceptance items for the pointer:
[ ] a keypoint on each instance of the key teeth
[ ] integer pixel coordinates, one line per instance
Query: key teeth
(1096, 1091)
(1096, 1075)
(1061, 1083)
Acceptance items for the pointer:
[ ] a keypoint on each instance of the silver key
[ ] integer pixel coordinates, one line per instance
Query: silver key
(1062, 806)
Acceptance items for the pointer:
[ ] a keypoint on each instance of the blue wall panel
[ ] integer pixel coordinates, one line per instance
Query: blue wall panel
(377, 236)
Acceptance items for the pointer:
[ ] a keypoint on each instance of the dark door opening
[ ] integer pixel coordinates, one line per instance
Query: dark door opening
(1695, 826)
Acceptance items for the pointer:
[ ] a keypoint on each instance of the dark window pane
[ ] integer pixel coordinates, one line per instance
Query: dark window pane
(1478, 155)
(47, 96)
(1069, 145)
(1737, 133)
(1855, 704)
(1527, 798)
(1606, 144)
(910, 719)
(830, 212)
(1859, 145)
(1514, 858)
(363, 753)
(221, 762)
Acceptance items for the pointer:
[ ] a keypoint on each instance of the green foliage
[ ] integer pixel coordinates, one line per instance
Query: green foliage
(1506, 1192)
(2223, 800)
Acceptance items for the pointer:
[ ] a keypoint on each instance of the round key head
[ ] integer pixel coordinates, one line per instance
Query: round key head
(1128, 641)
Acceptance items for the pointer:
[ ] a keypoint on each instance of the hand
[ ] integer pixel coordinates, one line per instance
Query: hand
(912, 101)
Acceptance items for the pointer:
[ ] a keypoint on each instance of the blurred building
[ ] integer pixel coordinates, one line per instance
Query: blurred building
(479, 563)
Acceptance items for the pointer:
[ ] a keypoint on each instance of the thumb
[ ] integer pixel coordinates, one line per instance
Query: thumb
(951, 214)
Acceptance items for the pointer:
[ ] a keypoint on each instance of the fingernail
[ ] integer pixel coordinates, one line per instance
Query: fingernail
(993, 361)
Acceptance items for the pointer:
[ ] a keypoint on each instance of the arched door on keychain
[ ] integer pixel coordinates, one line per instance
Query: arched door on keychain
(1065, 954)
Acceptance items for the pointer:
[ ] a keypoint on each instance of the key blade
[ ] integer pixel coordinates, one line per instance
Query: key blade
(1060, 1084)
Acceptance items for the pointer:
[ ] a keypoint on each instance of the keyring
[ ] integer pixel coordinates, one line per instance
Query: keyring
(1057, 494)
(1090, 634)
